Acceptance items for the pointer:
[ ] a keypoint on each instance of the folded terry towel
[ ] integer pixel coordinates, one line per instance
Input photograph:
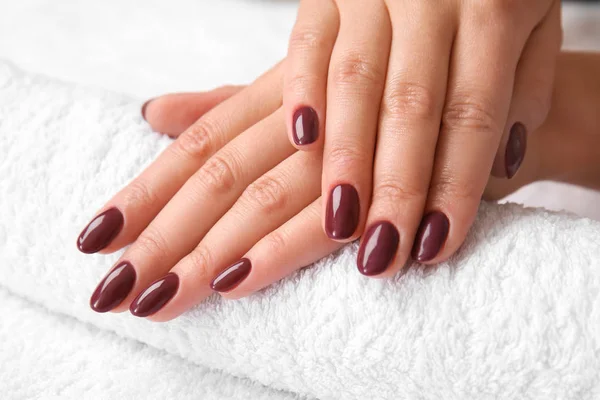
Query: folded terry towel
(47, 356)
(515, 314)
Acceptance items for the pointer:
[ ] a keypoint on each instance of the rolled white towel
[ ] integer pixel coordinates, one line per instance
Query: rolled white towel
(47, 356)
(514, 315)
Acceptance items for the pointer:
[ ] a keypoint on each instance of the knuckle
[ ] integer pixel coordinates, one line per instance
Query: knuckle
(344, 155)
(465, 112)
(218, 174)
(502, 10)
(140, 194)
(455, 190)
(506, 8)
(357, 70)
(268, 194)
(307, 38)
(152, 242)
(392, 191)
(201, 259)
(275, 243)
(197, 141)
(302, 82)
(404, 99)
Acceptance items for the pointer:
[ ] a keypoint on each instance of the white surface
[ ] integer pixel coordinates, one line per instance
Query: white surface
(498, 321)
(146, 48)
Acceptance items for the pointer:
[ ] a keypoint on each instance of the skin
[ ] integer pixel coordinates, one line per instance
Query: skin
(263, 196)
(415, 101)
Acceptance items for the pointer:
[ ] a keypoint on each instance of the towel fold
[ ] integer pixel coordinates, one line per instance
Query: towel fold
(47, 356)
(514, 314)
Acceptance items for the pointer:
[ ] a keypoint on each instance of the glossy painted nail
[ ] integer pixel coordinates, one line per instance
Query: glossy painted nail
(515, 149)
(431, 236)
(100, 232)
(232, 276)
(156, 296)
(342, 214)
(378, 248)
(114, 288)
(305, 126)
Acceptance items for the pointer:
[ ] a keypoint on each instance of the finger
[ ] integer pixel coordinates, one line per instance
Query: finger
(356, 79)
(482, 68)
(410, 116)
(124, 217)
(280, 253)
(264, 206)
(173, 113)
(305, 79)
(532, 93)
(552, 152)
(199, 204)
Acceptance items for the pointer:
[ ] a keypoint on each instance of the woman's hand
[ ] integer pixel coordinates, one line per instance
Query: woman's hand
(274, 226)
(560, 149)
(248, 238)
(412, 102)
(230, 181)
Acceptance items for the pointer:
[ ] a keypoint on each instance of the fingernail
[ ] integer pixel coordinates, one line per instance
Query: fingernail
(156, 296)
(232, 276)
(114, 288)
(100, 232)
(343, 208)
(378, 248)
(515, 149)
(144, 108)
(306, 126)
(431, 236)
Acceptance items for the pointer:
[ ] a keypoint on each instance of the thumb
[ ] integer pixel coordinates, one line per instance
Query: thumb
(498, 188)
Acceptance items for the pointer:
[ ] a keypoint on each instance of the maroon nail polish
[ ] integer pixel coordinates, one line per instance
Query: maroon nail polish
(378, 248)
(156, 296)
(342, 214)
(100, 232)
(431, 236)
(232, 276)
(114, 288)
(515, 149)
(305, 126)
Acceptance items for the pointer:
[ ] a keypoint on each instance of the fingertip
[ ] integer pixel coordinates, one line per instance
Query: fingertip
(156, 296)
(342, 213)
(173, 113)
(232, 276)
(305, 128)
(378, 249)
(160, 318)
(101, 231)
(431, 237)
(145, 107)
(233, 295)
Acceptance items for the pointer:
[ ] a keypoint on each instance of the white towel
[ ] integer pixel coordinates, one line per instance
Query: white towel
(515, 314)
(47, 356)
